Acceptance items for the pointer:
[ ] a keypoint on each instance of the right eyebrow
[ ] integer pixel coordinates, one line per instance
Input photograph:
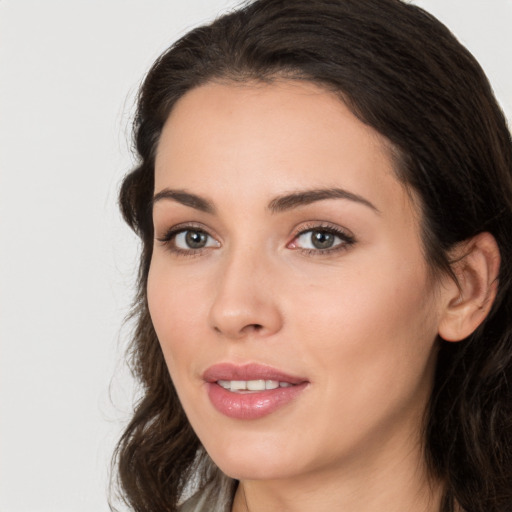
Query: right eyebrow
(185, 198)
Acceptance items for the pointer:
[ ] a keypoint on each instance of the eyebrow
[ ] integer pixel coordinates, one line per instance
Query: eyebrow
(279, 204)
(185, 198)
(302, 198)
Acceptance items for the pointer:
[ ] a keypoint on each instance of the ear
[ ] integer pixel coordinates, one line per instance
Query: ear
(469, 300)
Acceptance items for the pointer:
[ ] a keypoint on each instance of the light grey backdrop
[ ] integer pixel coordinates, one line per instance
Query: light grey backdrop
(69, 71)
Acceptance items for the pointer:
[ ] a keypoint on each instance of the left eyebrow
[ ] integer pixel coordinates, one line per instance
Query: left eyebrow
(302, 198)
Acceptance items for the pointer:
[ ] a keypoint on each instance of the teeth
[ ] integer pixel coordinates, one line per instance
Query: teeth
(252, 385)
(238, 385)
(255, 385)
(271, 384)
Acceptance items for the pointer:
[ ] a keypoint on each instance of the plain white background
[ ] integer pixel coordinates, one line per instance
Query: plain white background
(69, 72)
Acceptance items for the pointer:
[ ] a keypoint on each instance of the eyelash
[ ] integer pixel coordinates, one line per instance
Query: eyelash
(347, 239)
(168, 240)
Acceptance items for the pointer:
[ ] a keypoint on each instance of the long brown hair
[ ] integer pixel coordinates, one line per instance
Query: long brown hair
(404, 74)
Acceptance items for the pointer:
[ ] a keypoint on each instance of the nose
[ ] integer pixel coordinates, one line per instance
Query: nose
(245, 302)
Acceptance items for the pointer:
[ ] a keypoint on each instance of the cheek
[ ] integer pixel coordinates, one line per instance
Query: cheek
(375, 328)
(175, 306)
(368, 344)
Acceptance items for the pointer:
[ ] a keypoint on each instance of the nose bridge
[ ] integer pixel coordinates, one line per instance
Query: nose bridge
(244, 302)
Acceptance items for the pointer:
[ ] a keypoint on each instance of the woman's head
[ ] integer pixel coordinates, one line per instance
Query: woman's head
(284, 240)
(402, 81)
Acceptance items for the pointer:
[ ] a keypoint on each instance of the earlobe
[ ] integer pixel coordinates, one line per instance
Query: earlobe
(467, 302)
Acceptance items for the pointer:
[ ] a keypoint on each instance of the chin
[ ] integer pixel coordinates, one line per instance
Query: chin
(252, 463)
(253, 470)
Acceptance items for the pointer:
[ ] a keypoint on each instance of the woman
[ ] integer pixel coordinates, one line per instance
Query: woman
(324, 197)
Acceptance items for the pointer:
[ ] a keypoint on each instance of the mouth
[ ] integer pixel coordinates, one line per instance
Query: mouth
(249, 392)
(249, 386)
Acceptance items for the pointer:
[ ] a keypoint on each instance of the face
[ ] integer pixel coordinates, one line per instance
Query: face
(288, 286)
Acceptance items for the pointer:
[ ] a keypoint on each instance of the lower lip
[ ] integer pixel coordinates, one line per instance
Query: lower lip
(254, 405)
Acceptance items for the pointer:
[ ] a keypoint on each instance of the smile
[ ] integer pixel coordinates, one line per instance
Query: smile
(252, 385)
(250, 392)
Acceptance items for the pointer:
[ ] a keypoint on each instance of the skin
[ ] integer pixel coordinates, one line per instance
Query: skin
(359, 321)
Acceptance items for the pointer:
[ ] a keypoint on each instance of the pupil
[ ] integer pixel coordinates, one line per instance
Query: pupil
(322, 239)
(195, 239)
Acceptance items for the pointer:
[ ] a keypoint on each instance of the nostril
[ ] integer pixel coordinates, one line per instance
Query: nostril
(239, 333)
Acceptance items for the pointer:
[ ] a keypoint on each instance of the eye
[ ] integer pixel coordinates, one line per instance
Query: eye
(193, 239)
(322, 239)
(184, 240)
(316, 239)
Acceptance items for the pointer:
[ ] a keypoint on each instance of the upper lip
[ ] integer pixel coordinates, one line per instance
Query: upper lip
(251, 371)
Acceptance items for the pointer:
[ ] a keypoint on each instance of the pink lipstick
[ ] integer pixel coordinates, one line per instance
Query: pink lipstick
(250, 391)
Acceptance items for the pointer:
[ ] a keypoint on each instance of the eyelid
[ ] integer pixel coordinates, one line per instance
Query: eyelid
(170, 235)
(319, 225)
(176, 228)
(346, 236)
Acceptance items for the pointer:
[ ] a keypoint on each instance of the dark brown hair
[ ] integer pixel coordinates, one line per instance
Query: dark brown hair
(403, 73)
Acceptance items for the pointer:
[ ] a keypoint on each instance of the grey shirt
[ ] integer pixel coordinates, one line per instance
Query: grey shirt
(217, 497)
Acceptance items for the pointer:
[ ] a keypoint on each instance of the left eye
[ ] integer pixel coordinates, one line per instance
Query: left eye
(319, 239)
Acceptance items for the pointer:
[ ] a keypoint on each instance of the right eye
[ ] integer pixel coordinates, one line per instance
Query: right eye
(193, 239)
(188, 240)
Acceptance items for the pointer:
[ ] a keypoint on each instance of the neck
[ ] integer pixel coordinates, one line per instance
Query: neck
(400, 486)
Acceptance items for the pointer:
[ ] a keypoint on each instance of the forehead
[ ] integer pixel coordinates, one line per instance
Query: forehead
(271, 138)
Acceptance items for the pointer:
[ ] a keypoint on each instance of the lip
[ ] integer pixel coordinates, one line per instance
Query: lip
(253, 405)
(252, 371)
